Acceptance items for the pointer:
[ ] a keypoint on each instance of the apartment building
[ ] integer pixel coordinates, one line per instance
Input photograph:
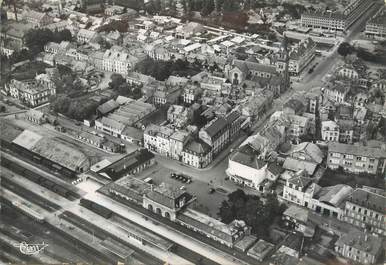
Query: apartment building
(356, 158)
(216, 134)
(339, 21)
(118, 62)
(301, 55)
(360, 247)
(366, 210)
(376, 26)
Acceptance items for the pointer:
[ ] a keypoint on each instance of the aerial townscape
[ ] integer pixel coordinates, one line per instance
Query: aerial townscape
(181, 132)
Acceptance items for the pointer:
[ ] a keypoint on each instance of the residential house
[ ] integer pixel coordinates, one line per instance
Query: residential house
(157, 139)
(330, 131)
(336, 92)
(346, 131)
(359, 247)
(296, 218)
(178, 141)
(179, 116)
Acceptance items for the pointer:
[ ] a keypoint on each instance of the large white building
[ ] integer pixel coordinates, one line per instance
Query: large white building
(339, 21)
(376, 26)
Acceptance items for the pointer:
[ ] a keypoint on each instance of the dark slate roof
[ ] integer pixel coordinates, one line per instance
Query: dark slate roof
(295, 104)
(300, 181)
(369, 200)
(198, 147)
(232, 116)
(275, 169)
(356, 150)
(119, 168)
(215, 127)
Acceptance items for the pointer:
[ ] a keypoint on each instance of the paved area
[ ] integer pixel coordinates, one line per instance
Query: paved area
(74, 207)
(167, 232)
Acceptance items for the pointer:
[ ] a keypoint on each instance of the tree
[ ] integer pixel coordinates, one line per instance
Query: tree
(208, 7)
(116, 81)
(345, 49)
(252, 210)
(61, 104)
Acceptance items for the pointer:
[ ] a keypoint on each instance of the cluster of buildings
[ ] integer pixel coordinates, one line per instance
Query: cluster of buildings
(195, 147)
(336, 20)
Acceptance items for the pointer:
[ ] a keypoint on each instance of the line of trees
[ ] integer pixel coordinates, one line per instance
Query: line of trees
(78, 109)
(161, 70)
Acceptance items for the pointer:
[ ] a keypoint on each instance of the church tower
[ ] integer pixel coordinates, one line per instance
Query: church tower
(282, 63)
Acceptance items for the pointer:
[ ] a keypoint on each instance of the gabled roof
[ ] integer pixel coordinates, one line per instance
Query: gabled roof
(198, 147)
(112, 123)
(369, 200)
(300, 181)
(108, 107)
(334, 195)
(356, 150)
(309, 148)
(296, 165)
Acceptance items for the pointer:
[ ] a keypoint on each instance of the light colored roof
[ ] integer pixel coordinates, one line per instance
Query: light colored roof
(296, 165)
(297, 213)
(27, 139)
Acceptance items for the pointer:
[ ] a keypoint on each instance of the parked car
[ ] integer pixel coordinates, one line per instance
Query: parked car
(183, 188)
(211, 190)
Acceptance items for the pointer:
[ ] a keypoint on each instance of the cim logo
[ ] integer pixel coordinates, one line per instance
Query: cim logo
(31, 249)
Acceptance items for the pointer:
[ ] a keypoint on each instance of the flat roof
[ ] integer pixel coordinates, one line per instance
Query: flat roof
(207, 220)
(117, 248)
(144, 234)
(27, 139)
